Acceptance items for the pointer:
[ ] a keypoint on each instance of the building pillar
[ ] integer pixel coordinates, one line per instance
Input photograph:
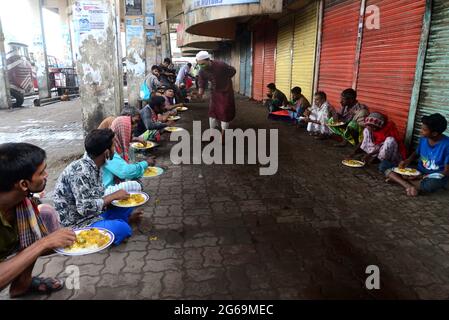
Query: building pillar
(4, 83)
(39, 49)
(135, 51)
(164, 24)
(98, 60)
(152, 33)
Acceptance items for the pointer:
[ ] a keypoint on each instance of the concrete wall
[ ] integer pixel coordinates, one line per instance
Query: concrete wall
(99, 68)
(135, 57)
(220, 21)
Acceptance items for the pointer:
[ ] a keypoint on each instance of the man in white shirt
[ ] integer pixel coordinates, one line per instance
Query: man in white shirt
(182, 74)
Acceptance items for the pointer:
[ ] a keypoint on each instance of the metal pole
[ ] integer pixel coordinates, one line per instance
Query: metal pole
(5, 96)
(45, 93)
(359, 44)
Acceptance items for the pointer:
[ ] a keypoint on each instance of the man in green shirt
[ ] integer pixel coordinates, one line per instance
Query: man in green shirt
(26, 231)
(276, 98)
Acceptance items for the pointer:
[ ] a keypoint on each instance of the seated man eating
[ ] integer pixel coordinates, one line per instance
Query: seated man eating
(169, 96)
(299, 106)
(152, 120)
(26, 232)
(79, 193)
(352, 116)
(276, 98)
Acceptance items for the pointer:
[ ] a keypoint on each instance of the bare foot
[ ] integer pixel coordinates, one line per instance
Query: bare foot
(412, 192)
(135, 217)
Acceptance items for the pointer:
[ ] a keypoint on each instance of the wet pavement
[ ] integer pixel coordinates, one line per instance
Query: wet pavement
(57, 128)
(308, 232)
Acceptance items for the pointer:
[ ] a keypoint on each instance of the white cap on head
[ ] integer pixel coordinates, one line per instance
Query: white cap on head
(202, 55)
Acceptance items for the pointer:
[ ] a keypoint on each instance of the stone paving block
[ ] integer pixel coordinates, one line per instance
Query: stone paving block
(193, 258)
(124, 293)
(212, 257)
(238, 279)
(204, 274)
(206, 288)
(151, 285)
(172, 284)
(162, 265)
(201, 242)
(134, 262)
(115, 262)
(87, 289)
(55, 266)
(119, 280)
(90, 269)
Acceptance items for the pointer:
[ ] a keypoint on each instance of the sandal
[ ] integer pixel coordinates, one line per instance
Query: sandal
(45, 285)
(41, 285)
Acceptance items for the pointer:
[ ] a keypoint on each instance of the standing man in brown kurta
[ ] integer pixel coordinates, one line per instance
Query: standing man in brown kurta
(222, 102)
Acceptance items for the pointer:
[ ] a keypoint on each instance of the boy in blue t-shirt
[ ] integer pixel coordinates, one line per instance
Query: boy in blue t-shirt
(433, 163)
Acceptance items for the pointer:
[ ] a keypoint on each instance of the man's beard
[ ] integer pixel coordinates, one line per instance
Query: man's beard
(30, 192)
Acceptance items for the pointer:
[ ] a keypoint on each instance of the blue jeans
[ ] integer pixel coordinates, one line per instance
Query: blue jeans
(116, 221)
(432, 184)
(427, 185)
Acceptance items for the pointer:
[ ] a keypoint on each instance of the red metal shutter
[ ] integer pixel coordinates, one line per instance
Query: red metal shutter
(269, 64)
(388, 58)
(258, 52)
(338, 47)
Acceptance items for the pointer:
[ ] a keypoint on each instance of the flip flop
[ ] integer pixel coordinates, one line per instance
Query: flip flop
(48, 283)
(36, 286)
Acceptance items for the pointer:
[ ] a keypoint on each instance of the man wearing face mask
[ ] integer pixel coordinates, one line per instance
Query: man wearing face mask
(79, 193)
(222, 102)
(26, 230)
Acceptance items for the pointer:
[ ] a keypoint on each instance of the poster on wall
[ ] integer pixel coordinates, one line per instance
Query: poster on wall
(90, 16)
(133, 7)
(149, 20)
(134, 30)
(198, 4)
(149, 6)
(151, 36)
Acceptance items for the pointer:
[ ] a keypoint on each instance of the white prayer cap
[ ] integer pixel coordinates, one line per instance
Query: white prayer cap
(202, 55)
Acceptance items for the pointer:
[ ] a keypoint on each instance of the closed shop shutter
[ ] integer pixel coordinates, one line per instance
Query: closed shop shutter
(258, 61)
(284, 55)
(249, 68)
(338, 47)
(304, 48)
(434, 95)
(235, 62)
(388, 59)
(269, 55)
(264, 49)
(245, 63)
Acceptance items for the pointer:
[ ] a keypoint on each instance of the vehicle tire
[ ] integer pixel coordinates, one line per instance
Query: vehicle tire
(19, 98)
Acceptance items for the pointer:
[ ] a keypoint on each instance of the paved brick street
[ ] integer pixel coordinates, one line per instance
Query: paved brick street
(308, 232)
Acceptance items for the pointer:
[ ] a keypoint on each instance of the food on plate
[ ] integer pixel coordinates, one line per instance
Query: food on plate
(336, 124)
(407, 170)
(89, 239)
(172, 129)
(133, 199)
(151, 171)
(353, 163)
